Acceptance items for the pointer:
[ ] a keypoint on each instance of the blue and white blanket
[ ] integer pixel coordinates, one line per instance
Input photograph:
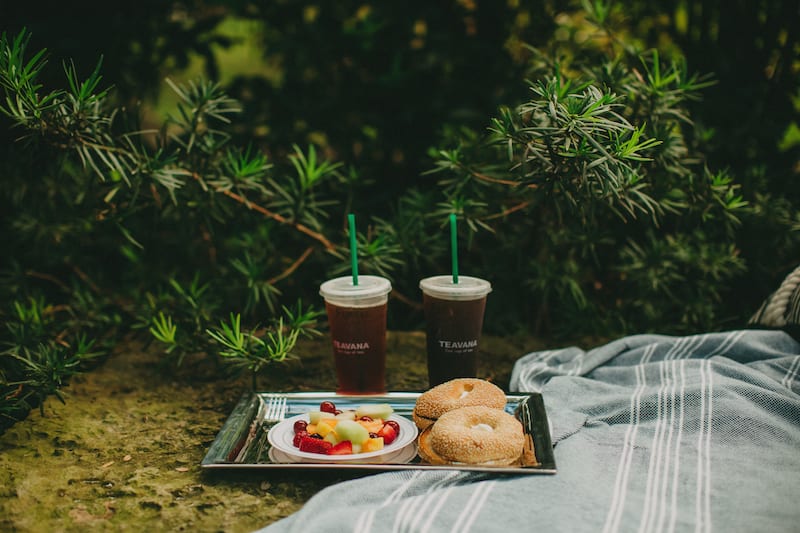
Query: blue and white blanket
(652, 434)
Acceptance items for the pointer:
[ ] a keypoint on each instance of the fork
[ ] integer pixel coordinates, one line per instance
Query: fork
(274, 408)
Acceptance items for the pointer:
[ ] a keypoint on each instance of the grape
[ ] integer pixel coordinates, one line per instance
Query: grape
(394, 424)
(327, 407)
(300, 425)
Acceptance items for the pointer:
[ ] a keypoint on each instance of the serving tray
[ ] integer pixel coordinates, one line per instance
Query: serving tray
(242, 442)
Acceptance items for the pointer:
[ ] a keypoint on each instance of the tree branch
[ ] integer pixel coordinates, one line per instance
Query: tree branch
(292, 267)
(490, 179)
(274, 216)
(508, 211)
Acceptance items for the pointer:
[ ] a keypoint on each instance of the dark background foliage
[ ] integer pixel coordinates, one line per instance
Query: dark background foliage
(386, 92)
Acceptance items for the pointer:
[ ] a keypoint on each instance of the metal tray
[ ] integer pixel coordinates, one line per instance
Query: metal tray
(242, 441)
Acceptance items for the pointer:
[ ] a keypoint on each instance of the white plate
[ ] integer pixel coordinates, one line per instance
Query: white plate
(404, 455)
(282, 435)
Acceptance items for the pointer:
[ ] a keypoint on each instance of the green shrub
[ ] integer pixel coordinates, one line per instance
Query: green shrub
(609, 194)
(117, 229)
(596, 215)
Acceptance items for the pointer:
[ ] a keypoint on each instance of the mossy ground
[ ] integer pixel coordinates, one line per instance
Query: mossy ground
(123, 453)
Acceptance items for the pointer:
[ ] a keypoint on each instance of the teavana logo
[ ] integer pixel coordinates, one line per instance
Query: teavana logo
(454, 345)
(351, 345)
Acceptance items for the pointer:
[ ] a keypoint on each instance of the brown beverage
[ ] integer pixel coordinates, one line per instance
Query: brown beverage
(453, 329)
(357, 320)
(453, 324)
(358, 335)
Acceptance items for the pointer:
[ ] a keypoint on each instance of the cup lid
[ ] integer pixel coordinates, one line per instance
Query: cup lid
(343, 288)
(467, 288)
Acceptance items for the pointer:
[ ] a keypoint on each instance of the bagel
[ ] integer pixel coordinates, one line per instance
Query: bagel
(473, 435)
(454, 394)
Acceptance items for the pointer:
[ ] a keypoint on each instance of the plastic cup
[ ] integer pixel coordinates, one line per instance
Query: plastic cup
(357, 321)
(453, 324)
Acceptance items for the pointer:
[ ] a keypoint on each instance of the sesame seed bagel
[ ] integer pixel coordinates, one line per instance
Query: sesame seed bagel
(473, 435)
(454, 394)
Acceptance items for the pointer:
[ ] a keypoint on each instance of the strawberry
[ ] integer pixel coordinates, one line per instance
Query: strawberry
(297, 436)
(313, 445)
(343, 448)
(388, 432)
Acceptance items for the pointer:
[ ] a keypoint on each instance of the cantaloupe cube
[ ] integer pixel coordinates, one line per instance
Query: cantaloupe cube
(372, 427)
(373, 444)
(323, 428)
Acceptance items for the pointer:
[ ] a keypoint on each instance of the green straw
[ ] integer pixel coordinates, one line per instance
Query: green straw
(351, 219)
(453, 247)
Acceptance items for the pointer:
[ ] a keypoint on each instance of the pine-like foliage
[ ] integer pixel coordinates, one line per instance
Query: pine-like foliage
(590, 207)
(597, 203)
(176, 233)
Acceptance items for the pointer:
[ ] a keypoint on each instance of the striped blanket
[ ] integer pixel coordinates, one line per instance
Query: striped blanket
(652, 433)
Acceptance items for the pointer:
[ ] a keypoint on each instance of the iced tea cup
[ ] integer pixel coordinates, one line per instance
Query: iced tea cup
(357, 321)
(453, 324)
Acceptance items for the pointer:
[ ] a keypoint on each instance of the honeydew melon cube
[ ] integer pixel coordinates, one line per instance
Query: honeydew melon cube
(377, 410)
(346, 415)
(315, 416)
(352, 431)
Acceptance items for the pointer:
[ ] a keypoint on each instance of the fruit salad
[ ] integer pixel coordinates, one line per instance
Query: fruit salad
(331, 431)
